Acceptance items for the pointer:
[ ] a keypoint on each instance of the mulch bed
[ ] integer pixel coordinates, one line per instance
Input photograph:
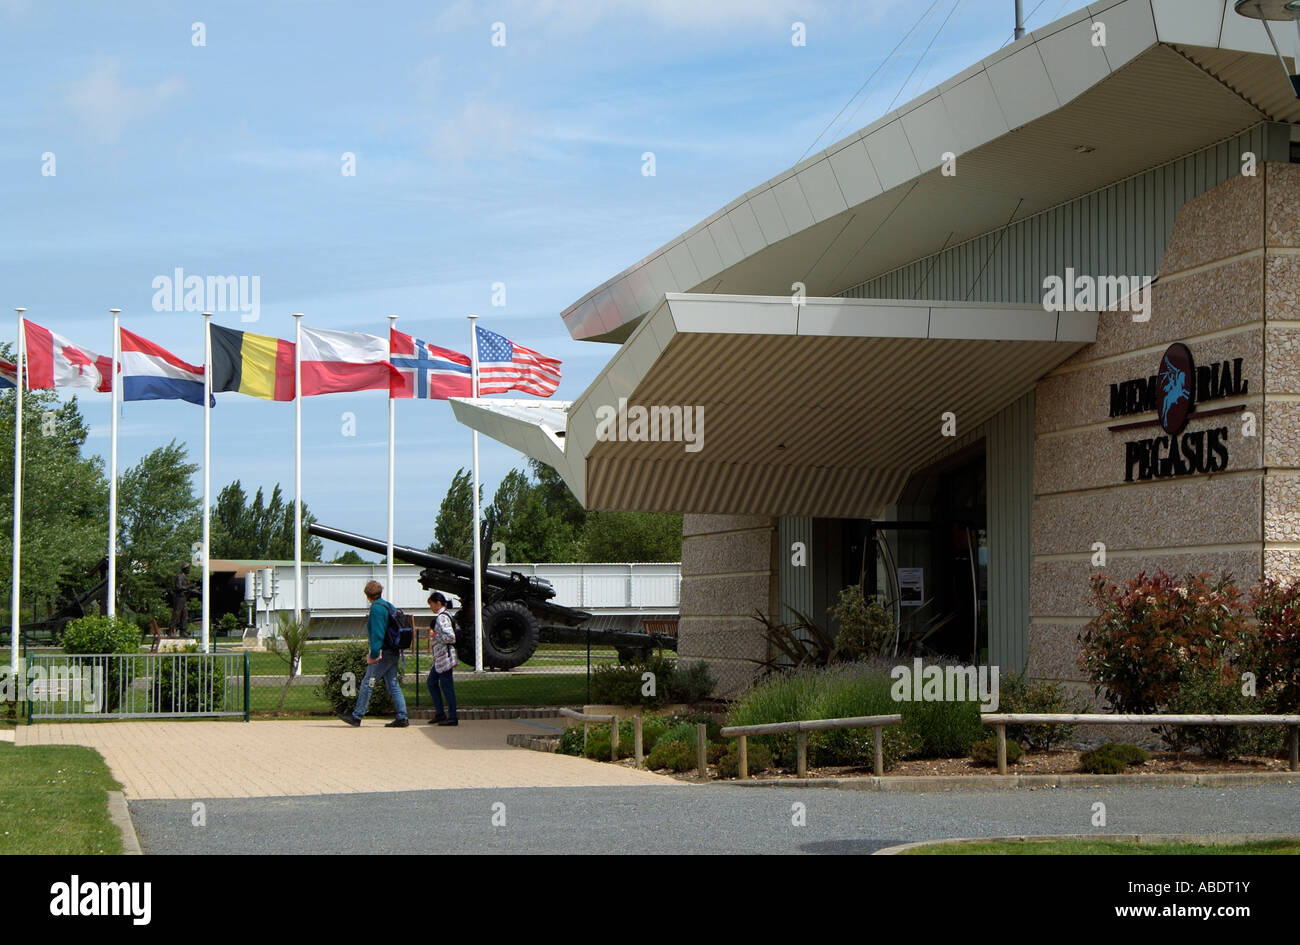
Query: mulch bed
(1057, 761)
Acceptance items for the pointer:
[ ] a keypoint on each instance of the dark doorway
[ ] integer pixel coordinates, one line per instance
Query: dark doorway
(931, 564)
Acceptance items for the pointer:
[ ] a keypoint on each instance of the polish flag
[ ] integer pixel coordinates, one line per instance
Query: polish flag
(338, 361)
(54, 361)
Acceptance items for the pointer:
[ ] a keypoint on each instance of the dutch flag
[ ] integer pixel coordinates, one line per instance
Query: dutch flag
(153, 373)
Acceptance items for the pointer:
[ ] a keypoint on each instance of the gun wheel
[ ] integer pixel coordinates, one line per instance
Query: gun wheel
(509, 636)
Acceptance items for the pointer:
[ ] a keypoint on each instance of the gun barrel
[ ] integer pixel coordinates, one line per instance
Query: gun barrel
(493, 577)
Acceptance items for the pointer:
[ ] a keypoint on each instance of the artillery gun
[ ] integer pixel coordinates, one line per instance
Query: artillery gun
(518, 609)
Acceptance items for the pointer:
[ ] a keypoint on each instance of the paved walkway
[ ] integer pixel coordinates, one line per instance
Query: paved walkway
(715, 818)
(162, 760)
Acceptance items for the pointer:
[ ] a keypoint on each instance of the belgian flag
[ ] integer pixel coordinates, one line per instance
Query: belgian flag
(256, 365)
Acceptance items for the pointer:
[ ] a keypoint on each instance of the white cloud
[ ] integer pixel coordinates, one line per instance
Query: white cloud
(483, 130)
(106, 105)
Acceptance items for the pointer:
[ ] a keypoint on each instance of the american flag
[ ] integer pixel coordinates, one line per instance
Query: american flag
(427, 370)
(504, 365)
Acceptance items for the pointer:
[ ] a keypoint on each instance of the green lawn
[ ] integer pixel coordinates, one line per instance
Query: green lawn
(1098, 847)
(497, 689)
(53, 799)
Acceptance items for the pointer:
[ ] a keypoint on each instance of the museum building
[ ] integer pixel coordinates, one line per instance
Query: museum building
(1044, 311)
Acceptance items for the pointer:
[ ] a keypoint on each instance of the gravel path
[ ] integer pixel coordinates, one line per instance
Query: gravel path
(689, 819)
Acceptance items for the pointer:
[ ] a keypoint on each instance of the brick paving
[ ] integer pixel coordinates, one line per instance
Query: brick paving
(161, 760)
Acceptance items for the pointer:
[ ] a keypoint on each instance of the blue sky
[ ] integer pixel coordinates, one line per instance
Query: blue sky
(475, 164)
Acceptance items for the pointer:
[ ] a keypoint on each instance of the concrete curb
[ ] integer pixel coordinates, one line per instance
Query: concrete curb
(1032, 781)
(1152, 839)
(120, 814)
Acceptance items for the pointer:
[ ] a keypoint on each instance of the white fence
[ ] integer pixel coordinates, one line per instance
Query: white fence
(336, 590)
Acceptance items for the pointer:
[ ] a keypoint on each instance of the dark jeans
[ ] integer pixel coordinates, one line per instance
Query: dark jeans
(442, 681)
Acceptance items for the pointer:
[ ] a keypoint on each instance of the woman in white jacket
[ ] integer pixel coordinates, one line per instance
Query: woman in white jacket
(442, 641)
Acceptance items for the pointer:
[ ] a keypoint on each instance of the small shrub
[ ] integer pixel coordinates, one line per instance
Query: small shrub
(1098, 761)
(673, 755)
(229, 625)
(1273, 653)
(200, 686)
(1111, 758)
(1153, 630)
(1018, 694)
(985, 752)
(101, 635)
(1216, 691)
(692, 683)
(571, 741)
(621, 685)
(866, 627)
(759, 759)
(851, 693)
(334, 688)
(1129, 754)
(942, 729)
(598, 743)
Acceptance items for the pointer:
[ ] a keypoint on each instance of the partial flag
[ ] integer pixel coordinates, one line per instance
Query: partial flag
(427, 371)
(334, 362)
(256, 365)
(504, 365)
(8, 375)
(54, 361)
(150, 372)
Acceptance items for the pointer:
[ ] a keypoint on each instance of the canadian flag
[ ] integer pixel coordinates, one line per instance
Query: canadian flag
(54, 361)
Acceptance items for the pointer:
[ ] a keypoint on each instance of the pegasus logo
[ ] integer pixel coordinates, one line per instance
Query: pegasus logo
(1173, 383)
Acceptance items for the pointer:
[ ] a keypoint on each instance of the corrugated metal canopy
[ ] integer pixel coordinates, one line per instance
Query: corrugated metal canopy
(822, 408)
(1172, 77)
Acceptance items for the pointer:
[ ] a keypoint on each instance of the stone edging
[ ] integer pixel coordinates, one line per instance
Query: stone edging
(550, 743)
(468, 715)
(1139, 838)
(1033, 781)
(120, 814)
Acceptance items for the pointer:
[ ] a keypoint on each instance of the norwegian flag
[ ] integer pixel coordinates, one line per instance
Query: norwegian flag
(504, 365)
(427, 371)
(54, 361)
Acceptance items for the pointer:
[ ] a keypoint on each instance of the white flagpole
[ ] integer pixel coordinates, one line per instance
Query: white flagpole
(207, 477)
(297, 466)
(478, 551)
(392, 456)
(114, 399)
(14, 622)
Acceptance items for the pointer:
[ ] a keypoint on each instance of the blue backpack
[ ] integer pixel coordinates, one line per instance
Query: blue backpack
(399, 631)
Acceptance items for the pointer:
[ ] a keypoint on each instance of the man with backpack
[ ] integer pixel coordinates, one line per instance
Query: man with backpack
(382, 659)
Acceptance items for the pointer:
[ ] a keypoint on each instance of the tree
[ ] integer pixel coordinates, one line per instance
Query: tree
(453, 532)
(159, 521)
(520, 519)
(65, 500)
(348, 557)
(261, 530)
(632, 536)
(557, 497)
